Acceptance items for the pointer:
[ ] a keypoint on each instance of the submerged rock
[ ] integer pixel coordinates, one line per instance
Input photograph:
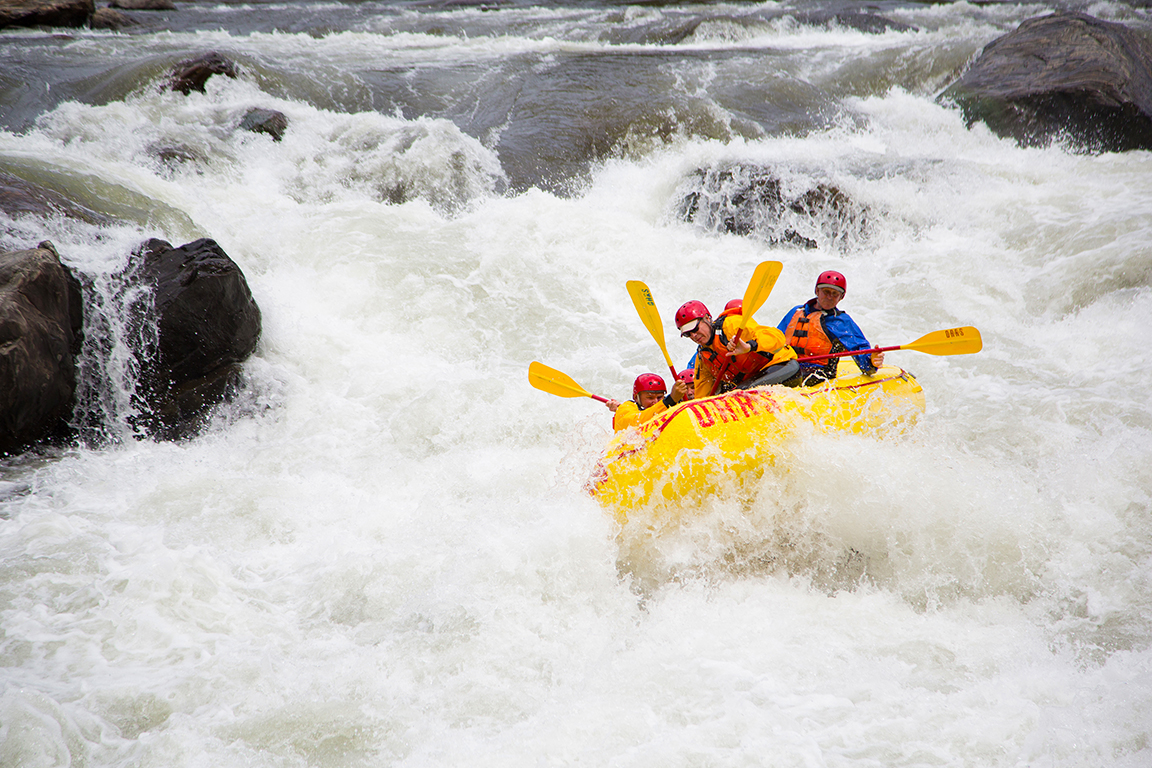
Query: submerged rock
(173, 156)
(41, 320)
(1064, 75)
(753, 201)
(46, 13)
(207, 323)
(21, 197)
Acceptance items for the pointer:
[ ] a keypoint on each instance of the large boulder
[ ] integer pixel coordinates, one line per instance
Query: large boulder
(41, 320)
(750, 200)
(1067, 75)
(46, 13)
(207, 324)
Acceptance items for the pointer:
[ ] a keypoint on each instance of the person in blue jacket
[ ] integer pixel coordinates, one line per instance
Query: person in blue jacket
(817, 327)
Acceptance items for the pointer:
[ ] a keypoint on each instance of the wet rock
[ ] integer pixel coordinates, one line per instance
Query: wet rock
(175, 155)
(108, 18)
(21, 197)
(191, 74)
(752, 201)
(1067, 75)
(267, 121)
(207, 323)
(869, 23)
(143, 5)
(41, 321)
(46, 13)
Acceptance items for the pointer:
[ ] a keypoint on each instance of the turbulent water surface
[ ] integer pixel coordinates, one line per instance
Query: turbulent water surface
(381, 552)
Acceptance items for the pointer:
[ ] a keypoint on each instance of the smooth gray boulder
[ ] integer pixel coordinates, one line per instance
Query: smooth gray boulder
(1065, 76)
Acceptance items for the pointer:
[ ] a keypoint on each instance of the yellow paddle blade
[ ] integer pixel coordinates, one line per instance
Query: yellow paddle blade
(554, 382)
(953, 341)
(759, 287)
(646, 308)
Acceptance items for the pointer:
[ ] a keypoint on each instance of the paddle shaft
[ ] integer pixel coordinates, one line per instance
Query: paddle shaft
(763, 280)
(850, 353)
(952, 341)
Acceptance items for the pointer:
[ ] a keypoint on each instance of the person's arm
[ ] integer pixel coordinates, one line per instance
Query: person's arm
(846, 331)
(757, 339)
(669, 401)
(627, 415)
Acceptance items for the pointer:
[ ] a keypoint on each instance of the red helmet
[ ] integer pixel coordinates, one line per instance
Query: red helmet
(688, 375)
(647, 382)
(688, 314)
(832, 280)
(736, 304)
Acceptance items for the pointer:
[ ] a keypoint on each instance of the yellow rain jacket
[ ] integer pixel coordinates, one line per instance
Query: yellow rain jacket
(769, 347)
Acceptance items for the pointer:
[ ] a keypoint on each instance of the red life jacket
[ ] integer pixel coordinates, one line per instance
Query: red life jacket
(715, 354)
(806, 334)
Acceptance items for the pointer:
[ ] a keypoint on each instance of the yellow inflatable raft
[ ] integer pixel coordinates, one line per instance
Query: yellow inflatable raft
(687, 451)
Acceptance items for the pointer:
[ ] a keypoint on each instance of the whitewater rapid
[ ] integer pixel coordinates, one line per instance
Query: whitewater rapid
(382, 552)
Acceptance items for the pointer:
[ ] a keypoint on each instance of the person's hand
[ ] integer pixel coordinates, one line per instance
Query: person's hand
(679, 391)
(877, 359)
(739, 347)
(613, 405)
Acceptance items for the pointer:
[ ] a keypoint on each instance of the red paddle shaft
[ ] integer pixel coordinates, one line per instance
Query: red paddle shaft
(851, 353)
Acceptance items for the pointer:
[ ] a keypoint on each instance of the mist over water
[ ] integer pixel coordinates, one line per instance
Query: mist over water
(381, 553)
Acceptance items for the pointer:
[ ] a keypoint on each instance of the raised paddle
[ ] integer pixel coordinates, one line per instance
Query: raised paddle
(646, 308)
(763, 281)
(556, 383)
(952, 341)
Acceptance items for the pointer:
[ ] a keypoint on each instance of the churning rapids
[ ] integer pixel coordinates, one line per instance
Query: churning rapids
(380, 554)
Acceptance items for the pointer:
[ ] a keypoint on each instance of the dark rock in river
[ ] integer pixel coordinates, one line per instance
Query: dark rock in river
(753, 201)
(191, 74)
(869, 23)
(41, 319)
(207, 323)
(107, 18)
(267, 121)
(1065, 75)
(176, 155)
(143, 5)
(47, 13)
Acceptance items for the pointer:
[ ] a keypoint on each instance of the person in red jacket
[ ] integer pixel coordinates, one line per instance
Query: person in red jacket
(735, 362)
(648, 399)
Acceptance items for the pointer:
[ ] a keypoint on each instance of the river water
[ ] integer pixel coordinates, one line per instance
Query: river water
(381, 555)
